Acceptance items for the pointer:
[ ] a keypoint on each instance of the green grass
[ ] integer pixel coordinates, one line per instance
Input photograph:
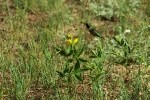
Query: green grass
(36, 63)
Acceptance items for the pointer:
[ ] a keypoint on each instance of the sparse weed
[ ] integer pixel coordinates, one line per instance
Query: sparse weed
(36, 63)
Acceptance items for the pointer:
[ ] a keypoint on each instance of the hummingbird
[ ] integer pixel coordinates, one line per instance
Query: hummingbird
(92, 30)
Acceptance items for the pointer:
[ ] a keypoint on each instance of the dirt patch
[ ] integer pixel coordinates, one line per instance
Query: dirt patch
(36, 17)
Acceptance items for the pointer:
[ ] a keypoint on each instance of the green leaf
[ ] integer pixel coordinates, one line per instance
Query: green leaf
(78, 76)
(93, 56)
(66, 70)
(119, 39)
(80, 71)
(129, 49)
(99, 53)
(61, 51)
(70, 60)
(68, 50)
(82, 60)
(95, 78)
(70, 69)
(94, 53)
(77, 65)
(122, 42)
(57, 49)
(60, 74)
(64, 52)
(80, 51)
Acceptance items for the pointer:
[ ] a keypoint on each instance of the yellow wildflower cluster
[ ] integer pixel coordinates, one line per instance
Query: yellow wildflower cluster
(70, 40)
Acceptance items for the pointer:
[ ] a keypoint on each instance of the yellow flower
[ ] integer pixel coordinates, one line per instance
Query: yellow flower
(70, 40)
(69, 36)
(75, 40)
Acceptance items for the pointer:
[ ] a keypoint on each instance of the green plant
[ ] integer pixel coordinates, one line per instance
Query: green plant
(122, 49)
(74, 62)
(97, 73)
(110, 9)
(113, 67)
(103, 9)
(148, 7)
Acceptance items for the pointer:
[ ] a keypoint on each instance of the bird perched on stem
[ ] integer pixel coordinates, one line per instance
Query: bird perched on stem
(92, 30)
